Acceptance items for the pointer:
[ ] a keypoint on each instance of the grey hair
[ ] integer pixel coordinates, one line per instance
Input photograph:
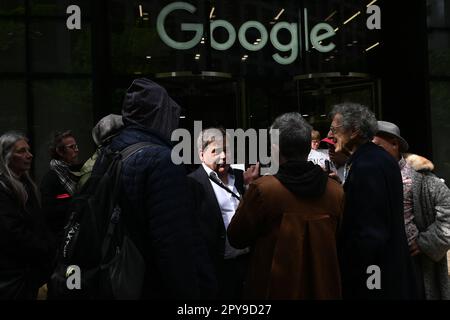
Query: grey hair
(208, 136)
(357, 117)
(7, 142)
(294, 136)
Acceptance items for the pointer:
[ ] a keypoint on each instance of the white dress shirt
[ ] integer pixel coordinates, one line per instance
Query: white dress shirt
(228, 205)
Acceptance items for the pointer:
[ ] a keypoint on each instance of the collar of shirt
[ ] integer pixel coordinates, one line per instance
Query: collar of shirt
(228, 205)
(231, 179)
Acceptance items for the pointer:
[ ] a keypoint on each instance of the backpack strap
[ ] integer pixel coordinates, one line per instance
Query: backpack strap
(132, 149)
(125, 154)
(115, 216)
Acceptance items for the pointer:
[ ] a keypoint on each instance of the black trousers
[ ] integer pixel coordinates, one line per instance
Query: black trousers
(232, 274)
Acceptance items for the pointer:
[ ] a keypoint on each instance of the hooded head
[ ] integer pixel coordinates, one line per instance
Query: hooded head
(148, 105)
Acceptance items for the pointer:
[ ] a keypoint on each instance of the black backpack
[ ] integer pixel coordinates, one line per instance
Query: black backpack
(96, 240)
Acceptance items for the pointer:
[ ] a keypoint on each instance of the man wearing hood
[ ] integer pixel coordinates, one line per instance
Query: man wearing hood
(102, 133)
(290, 221)
(155, 200)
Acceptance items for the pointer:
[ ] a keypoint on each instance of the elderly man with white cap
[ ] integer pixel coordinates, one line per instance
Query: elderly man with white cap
(427, 215)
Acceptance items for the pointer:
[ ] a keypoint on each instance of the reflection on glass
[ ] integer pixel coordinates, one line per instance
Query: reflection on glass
(12, 46)
(132, 38)
(62, 105)
(58, 7)
(12, 7)
(13, 106)
(440, 118)
(56, 49)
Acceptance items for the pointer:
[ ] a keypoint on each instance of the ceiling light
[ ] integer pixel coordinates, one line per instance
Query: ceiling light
(372, 46)
(279, 14)
(331, 15)
(352, 17)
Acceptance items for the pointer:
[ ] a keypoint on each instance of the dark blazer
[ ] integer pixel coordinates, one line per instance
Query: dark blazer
(55, 203)
(208, 211)
(373, 228)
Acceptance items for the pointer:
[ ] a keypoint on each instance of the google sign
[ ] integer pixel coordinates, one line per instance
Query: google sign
(316, 36)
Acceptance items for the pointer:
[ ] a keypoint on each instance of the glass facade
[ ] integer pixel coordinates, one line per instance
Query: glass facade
(265, 72)
(439, 56)
(45, 74)
(237, 64)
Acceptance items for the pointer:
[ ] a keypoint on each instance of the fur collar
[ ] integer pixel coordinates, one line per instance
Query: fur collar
(418, 163)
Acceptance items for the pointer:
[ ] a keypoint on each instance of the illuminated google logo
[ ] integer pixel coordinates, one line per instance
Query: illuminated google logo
(316, 36)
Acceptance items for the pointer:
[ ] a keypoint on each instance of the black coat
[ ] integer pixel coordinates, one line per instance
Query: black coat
(26, 248)
(159, 215)
(373, 229)
(208, 211)
(55, 203)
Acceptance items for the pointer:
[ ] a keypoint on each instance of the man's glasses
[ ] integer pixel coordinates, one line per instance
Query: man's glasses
(72, 146)
(333, 129)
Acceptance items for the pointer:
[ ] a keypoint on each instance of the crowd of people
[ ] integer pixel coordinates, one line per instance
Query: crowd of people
(350, 216)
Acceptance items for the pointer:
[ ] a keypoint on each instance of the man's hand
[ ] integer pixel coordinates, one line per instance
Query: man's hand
(252, 173)
(334, 176)
(414, 249)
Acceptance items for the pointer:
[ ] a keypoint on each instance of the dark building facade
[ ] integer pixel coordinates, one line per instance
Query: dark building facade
(238, 64)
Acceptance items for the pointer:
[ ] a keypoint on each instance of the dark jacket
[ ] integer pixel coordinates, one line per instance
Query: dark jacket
(26, 248)
(156, 205)
(290, 220)
(55, 203)
(373, 229)
(159, 217)
(208, 211)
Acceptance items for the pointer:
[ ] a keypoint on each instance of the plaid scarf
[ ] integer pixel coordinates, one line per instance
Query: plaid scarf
(66, 177)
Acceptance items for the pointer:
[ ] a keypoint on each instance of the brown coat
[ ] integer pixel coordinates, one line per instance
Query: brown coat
(293, 241)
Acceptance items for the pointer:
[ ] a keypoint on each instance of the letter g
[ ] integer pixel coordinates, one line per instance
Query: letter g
(198, 28)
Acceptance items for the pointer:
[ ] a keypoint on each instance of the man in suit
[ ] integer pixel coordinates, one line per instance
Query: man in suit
(217, 189)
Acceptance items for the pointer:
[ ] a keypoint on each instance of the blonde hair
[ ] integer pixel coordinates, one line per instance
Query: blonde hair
(315, 135)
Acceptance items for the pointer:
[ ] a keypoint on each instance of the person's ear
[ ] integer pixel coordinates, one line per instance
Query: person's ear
(396, 146)
(201, 156)
(59, 152)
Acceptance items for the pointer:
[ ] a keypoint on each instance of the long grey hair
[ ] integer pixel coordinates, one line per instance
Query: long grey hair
(14, 183)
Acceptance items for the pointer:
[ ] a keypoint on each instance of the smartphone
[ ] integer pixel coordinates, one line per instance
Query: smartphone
(327, 166)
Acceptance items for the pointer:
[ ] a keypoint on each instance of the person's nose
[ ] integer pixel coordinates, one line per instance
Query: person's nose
(29, 155)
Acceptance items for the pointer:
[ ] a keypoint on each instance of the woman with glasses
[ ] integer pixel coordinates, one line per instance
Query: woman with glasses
(59, 183)
(26, 248)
